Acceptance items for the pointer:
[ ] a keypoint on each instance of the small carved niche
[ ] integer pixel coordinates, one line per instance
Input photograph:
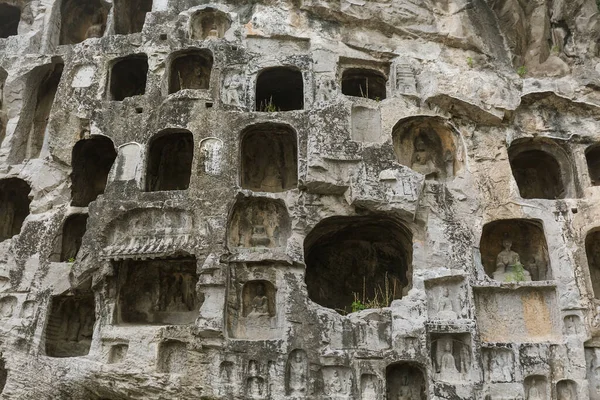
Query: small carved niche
(30, 131)
(296, 374)
(28, 309)
(405, 381)
(566, 390)
(72, 233)
(541, 168)
(117, 353)
(190, 69)
(370, 387)
(592, 250)
(161, 291)
(428, 145)
(130, 15)
(128, 77)
(259, 222)
(14, 206)
(211, 156)
(536, 387)
(506, 244)
(338, 381)
(365, 83)
(255, 384)
(92, 160)
(592, 156)
(10, 16)
(172, 357)
(572, 325)
(127, 166)
(258, 299)
(499, 364)
(70, 326)
(226, 372)
(7, 306)
(169, 165)
(252, 309)
(451, 356)
(82, 19)
(444, 297)
(209, 23)
(342, 253)
(269, 158)
(279, 89)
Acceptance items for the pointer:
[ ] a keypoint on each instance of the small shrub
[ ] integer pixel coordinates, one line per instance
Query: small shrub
(522, 71)
(470, 62)
(71, 260)
(268, 106)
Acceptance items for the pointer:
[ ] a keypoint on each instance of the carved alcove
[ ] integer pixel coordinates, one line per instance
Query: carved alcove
(70, 326)
(536, 387)
(128, 164)
(592, 156)
(130, 15)
(211, 156)
(190, 69)
(406, 381)
(542, 169)
(42, 86)
(128, 77)
(7, 306)
(255, 387)
(209, 23)
(363, 254)
(366, 83)
(172, 357)
(428, 145)
(445, 296)
(157, 292)
(10, 15)
(253, 309)
(370, 387)
(72, 233)
(296, 374)
(499, 364)
(566, 389)
(169, 163)
(338, 381)
(28, 309)
(592, 251)
(92, 160)
(82, 19)
(572, 325)
(507, 242)
(451, 356)
(259, 222)
(269, 158)
(279, 89)
(14, 206)
(117, 353)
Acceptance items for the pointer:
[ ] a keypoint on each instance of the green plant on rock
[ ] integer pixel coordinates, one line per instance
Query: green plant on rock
(522, 71)
(517, 274)
(268, 106)
(382, 296)
(470, 62)
(71, 259)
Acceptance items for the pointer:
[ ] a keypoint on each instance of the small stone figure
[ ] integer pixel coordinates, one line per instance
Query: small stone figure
(231, 88)
(445, 306)
(448, 369)
(97, 28)
(336, 383)
(565, 393)
(213, 33)
(260, 303)
(369, 391)
(259, 237)
(422, 160)
(534, 393)
(297, 373)
(506, 368)
(506, 261)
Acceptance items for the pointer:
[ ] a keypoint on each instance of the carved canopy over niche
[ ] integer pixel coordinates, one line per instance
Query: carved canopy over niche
(259, 222)
(428, 145)
(209, 23)
(148, 233)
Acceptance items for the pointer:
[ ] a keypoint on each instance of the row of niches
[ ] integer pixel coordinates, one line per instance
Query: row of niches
(79, 20)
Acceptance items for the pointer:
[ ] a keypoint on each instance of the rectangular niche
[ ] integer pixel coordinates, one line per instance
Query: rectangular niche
(161, 291)
(526, 314)
(70, 326)
(451, 356)
(445, 297)
(172, 357)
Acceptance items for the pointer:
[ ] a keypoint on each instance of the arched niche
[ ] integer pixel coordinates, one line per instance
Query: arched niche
(592, 251)
(128, 77)
(367, 83)
(127, 166)
(211, 156)
(82, 19)
(592, 156)
(8, 304)
(190, 69)
(405, 380)
(10, 16)
(541, 168)
(92, 160)
(269, 158)
(130, 15)
(296, 373)
(536, 387)
(358, 258)
(169, 163)
(526, 243)
(70, 326)
(279, 89)
(259, 222)
(72, 232)
(14, 206)
(427, 145)
(209, 23)
(566, 389)
(258, 299)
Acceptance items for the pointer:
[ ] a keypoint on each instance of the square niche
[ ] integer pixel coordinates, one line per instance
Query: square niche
(161, 292)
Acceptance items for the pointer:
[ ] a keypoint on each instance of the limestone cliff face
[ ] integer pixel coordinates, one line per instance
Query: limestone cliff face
(308, 199)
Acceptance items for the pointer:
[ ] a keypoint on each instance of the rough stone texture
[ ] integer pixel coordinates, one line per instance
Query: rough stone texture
(186, 188)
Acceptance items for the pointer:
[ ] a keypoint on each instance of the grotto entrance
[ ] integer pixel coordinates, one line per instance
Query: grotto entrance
(191, 70)
(14, 206)
(169, 164)
(9, 20)
(279, 89)
(70, 326)
(363, 83)
(130, 15)
(72, 233)
(128, 77)
(91, 160)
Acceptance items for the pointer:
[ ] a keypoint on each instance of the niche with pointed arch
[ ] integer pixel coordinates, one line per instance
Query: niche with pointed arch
(428, 145)
(14, 206)
(361, 257)
(259, 222)
(92, 160)
(542, 169)
(169, 163)
(269, 158)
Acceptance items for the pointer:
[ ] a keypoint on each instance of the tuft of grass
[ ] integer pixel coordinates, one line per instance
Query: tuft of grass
(268, 106)
(71, 260)
(470, 62)
(522, 71)
(382, 296)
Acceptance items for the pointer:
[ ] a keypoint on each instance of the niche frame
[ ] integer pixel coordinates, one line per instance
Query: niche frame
(376, 67)
(204, 53)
